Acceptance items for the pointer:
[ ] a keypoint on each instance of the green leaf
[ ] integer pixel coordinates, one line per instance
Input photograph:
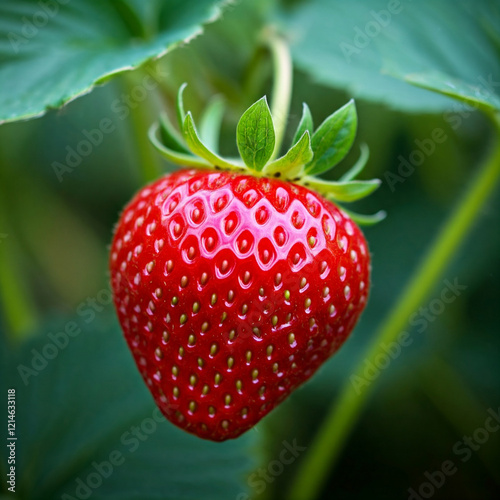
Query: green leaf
(333, 139)
(53, 51)
(292, 164)
(366, 220)
(170, 137)
(211, 122)
(175, 157)
(306, 123)
(342, 191)
(255, 135)
(197, 147)
(358, 167)
(351, 46)
(61, 443)
(480, 96)
(181, 113)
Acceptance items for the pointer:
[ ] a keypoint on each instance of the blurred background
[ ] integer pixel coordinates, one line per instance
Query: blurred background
(76, 401)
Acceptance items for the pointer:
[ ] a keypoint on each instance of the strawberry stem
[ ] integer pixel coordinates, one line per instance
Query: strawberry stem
(346, 410)
(19, 312)
(139, 122)
(20, 315)
(282, 85)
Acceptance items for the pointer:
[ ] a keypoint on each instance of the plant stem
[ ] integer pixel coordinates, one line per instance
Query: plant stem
(282, 86)
(19, 312)
(345, 412)
(140, 123)
(20, 315)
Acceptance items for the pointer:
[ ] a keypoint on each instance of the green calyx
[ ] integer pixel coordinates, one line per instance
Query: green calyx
(312, 152)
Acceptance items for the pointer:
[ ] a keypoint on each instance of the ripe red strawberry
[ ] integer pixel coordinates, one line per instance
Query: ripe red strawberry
(232, 290)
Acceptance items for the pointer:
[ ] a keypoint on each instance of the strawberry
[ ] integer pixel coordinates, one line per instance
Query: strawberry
(232, 287)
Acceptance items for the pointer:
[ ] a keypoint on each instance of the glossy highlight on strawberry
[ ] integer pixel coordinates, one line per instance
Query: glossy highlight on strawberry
(231, 291)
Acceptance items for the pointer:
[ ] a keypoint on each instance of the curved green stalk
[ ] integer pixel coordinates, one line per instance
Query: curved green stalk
(345, 411)
(20, 315)
(140, 123)
(17, 307)
(282, 87)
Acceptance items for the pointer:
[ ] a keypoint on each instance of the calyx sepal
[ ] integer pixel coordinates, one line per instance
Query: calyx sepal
(312, 152)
